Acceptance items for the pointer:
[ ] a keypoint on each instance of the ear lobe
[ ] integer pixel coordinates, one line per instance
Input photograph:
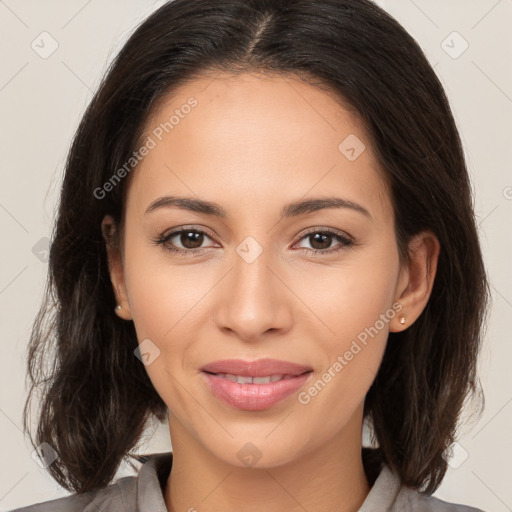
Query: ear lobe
(115, 266)
(416, 279)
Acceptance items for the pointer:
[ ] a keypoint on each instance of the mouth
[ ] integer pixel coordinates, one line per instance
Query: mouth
(245, 379)
(257, 368)
(254, 385)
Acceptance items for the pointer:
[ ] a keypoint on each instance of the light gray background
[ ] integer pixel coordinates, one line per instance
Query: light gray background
(42, 100)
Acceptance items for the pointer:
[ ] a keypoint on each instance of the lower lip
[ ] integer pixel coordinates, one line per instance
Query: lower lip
(253, 397)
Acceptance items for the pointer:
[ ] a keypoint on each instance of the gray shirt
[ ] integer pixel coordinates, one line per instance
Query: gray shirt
(144, 493)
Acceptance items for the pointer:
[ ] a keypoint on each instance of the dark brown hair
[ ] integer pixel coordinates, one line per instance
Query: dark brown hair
(95, 395)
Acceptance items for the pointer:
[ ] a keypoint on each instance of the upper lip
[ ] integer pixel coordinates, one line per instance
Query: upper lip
(257, 368)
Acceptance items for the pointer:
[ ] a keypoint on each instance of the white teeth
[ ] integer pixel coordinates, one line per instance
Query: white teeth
(253, 380)
(261, 380)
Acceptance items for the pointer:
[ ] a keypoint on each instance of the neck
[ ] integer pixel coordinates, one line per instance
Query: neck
(329, 477)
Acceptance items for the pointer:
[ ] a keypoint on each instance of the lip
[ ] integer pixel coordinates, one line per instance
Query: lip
(257, 368)
(254, 397)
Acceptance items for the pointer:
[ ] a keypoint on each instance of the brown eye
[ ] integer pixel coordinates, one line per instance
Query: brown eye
(321, 241)
(190, 239)
(184, 241)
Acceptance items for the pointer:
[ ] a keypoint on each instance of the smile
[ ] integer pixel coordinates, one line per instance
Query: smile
(250, 393)
(243, 379)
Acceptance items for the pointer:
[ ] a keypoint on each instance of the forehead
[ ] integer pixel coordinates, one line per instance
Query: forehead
(255, 136)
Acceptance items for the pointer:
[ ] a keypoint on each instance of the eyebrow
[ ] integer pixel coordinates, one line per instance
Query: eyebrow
(292, 209)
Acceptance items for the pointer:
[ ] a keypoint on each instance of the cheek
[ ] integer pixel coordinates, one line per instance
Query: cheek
(352, 357)
(165, 303)
(161, 293)
(357, 304)
(170, 304)
(351, 296)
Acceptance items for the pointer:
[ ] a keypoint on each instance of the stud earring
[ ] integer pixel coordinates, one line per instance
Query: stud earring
(402, 319)
(118, 307)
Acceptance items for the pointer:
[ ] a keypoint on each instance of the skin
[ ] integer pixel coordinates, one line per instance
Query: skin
(253, 144)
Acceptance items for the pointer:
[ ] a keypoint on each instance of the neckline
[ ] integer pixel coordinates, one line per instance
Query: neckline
(154, 473)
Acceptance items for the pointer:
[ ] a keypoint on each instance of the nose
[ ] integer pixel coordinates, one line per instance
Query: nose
(254, 300)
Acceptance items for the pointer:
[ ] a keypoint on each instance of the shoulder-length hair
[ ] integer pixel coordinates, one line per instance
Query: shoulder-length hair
(95, 396)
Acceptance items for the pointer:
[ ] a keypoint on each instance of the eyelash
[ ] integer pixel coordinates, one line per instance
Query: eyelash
(163, 239)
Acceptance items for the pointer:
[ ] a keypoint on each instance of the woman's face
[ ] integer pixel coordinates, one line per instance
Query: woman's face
(250, 287)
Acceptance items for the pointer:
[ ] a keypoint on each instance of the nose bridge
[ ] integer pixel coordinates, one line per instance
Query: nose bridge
(251, 267)
(254, 300)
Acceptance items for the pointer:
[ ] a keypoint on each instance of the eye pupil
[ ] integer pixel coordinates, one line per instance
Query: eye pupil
(192, 237)
(321, 238)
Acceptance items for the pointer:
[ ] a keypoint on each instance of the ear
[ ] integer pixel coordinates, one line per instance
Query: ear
(416, 279)
(115, 266)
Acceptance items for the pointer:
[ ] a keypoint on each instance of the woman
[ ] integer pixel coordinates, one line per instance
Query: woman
(265, 235)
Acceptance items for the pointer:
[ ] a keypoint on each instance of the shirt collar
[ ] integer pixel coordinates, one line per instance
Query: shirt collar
(151, 481)
(383, 493)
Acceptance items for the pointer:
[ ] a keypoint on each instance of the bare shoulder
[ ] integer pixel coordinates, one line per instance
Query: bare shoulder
(121, 495)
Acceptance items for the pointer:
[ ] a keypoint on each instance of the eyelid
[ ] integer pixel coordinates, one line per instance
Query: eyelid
(325, 229)
(345, 239)
(191, 227)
